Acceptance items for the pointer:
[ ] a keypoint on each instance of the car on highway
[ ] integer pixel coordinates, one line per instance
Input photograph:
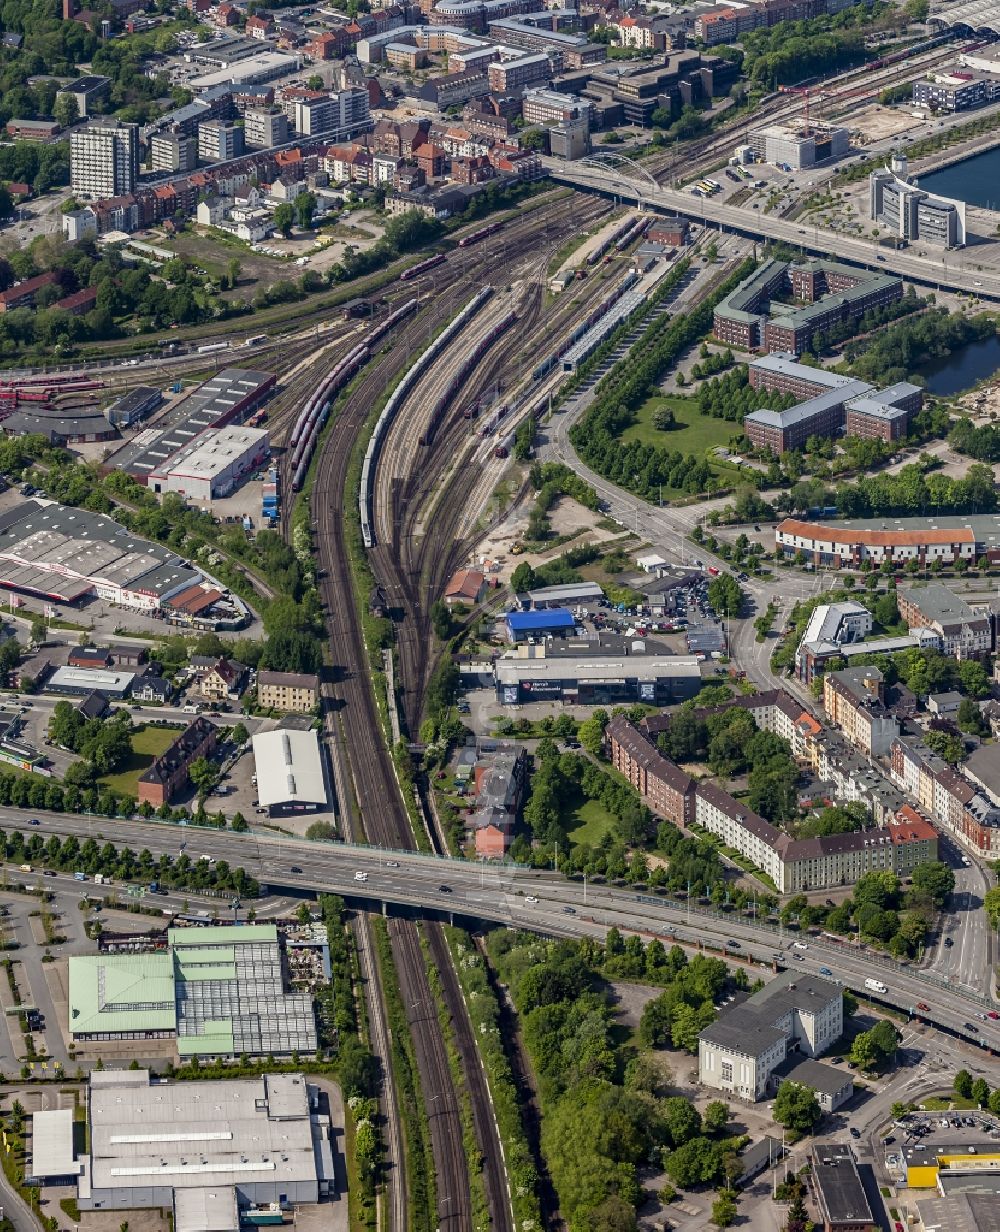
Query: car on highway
(530, 898)
(799, 945)
(799, 957)
(825, 971)
(923, 1006)
(569, 910)
(360, 876)
(444, 889)
(392, 864)
(733, 945)
(993, 1014)
(35, 821)
(295, 869)
(971, 1026)
(855, 1133)
(948, 943)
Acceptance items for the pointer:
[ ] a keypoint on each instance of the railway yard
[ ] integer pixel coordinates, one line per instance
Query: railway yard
(391, 435)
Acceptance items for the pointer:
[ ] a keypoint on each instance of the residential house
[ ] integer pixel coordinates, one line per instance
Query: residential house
(225, 680)
(291, 692)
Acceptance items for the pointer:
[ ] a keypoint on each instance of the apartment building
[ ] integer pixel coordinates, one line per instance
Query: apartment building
(104, 159)
(833, 293)
(510, 76)
(291, 692)
(173, 151)
(225, 680)
(794, 1013)
(337, 116)
(853, 699)
(964, 633)
(22, 294)
(740, 827)
(169, 772)
(265, 127)
(219, 142)
(665, 787)
(849, 543)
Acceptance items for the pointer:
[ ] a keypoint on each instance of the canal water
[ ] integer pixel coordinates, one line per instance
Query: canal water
(975, 180)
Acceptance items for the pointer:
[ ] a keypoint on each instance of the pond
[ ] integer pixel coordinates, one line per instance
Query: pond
(963, 368)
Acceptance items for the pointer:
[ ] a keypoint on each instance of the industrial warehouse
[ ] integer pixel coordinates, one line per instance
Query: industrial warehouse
(225, 399)
(68, 554)
(289, 771)
(657, 679)
(215, 1154)
(217, 991)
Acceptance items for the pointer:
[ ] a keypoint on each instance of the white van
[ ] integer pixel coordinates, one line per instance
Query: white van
(360, 876)
(799, 945)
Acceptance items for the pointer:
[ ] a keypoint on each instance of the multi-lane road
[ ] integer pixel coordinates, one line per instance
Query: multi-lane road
(929, 270)
(545, 902)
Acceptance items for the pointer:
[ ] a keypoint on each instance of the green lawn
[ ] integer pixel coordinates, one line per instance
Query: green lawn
(146, 744)
(693, 433)
(587, 822)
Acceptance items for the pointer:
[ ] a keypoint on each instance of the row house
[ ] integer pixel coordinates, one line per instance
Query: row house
(853, 699)
(947, 796)
(348, 164)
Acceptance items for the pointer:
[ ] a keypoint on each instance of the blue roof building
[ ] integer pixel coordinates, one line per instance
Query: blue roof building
(522, 625)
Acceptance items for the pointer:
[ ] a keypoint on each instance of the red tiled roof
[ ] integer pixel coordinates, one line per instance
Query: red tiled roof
(875, 538)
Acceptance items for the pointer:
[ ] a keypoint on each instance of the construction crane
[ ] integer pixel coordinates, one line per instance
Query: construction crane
(803, 90)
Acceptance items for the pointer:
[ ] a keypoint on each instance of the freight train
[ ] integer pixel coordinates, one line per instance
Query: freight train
(396, 400)
(605, 244)
(313, 416)
(462, 375)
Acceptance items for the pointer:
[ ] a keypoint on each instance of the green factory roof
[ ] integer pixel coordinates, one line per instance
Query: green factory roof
(121, 992)
(214, 1039)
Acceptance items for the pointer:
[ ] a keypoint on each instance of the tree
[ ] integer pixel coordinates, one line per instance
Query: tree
(321, 831)
(284, 216)
(698, 1162)
(872, 1049)
(65, 111)
(725, 596)
(797, 1108)
(716, 1117)
(963, 1084)
(991, 905)
(38, 629)
(305, 207)
(970, 718)
(935, 879)
(724, 1210)
(203, 775)
(886, 610)
(239, 735)
(682, 1120)
(981, 1092)
(441, 620)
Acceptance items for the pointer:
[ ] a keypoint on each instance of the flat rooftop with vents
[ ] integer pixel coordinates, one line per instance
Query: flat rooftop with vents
(289, 771)
(207, 1151)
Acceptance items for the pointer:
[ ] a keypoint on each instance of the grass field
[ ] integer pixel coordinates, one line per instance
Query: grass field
(146, 744)
(587, 822)
(694, 433)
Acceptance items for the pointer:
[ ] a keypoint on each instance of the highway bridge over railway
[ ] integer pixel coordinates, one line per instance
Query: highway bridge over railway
(629, 181)
(544, 902)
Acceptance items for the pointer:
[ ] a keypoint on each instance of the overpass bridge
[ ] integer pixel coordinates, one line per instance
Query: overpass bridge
(373, 878)
(627, 180)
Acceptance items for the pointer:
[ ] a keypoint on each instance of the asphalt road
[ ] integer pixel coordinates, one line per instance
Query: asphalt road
(930, 270)
(543, 902)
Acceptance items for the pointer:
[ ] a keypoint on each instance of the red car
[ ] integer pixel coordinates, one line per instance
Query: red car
(993, 1014)
(922, 1005)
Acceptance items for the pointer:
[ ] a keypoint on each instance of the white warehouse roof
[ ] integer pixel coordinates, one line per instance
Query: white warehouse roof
(289, 768)
(213, 452)
(52, 1145)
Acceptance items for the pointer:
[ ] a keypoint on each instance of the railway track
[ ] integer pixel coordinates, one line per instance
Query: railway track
(372, 772)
